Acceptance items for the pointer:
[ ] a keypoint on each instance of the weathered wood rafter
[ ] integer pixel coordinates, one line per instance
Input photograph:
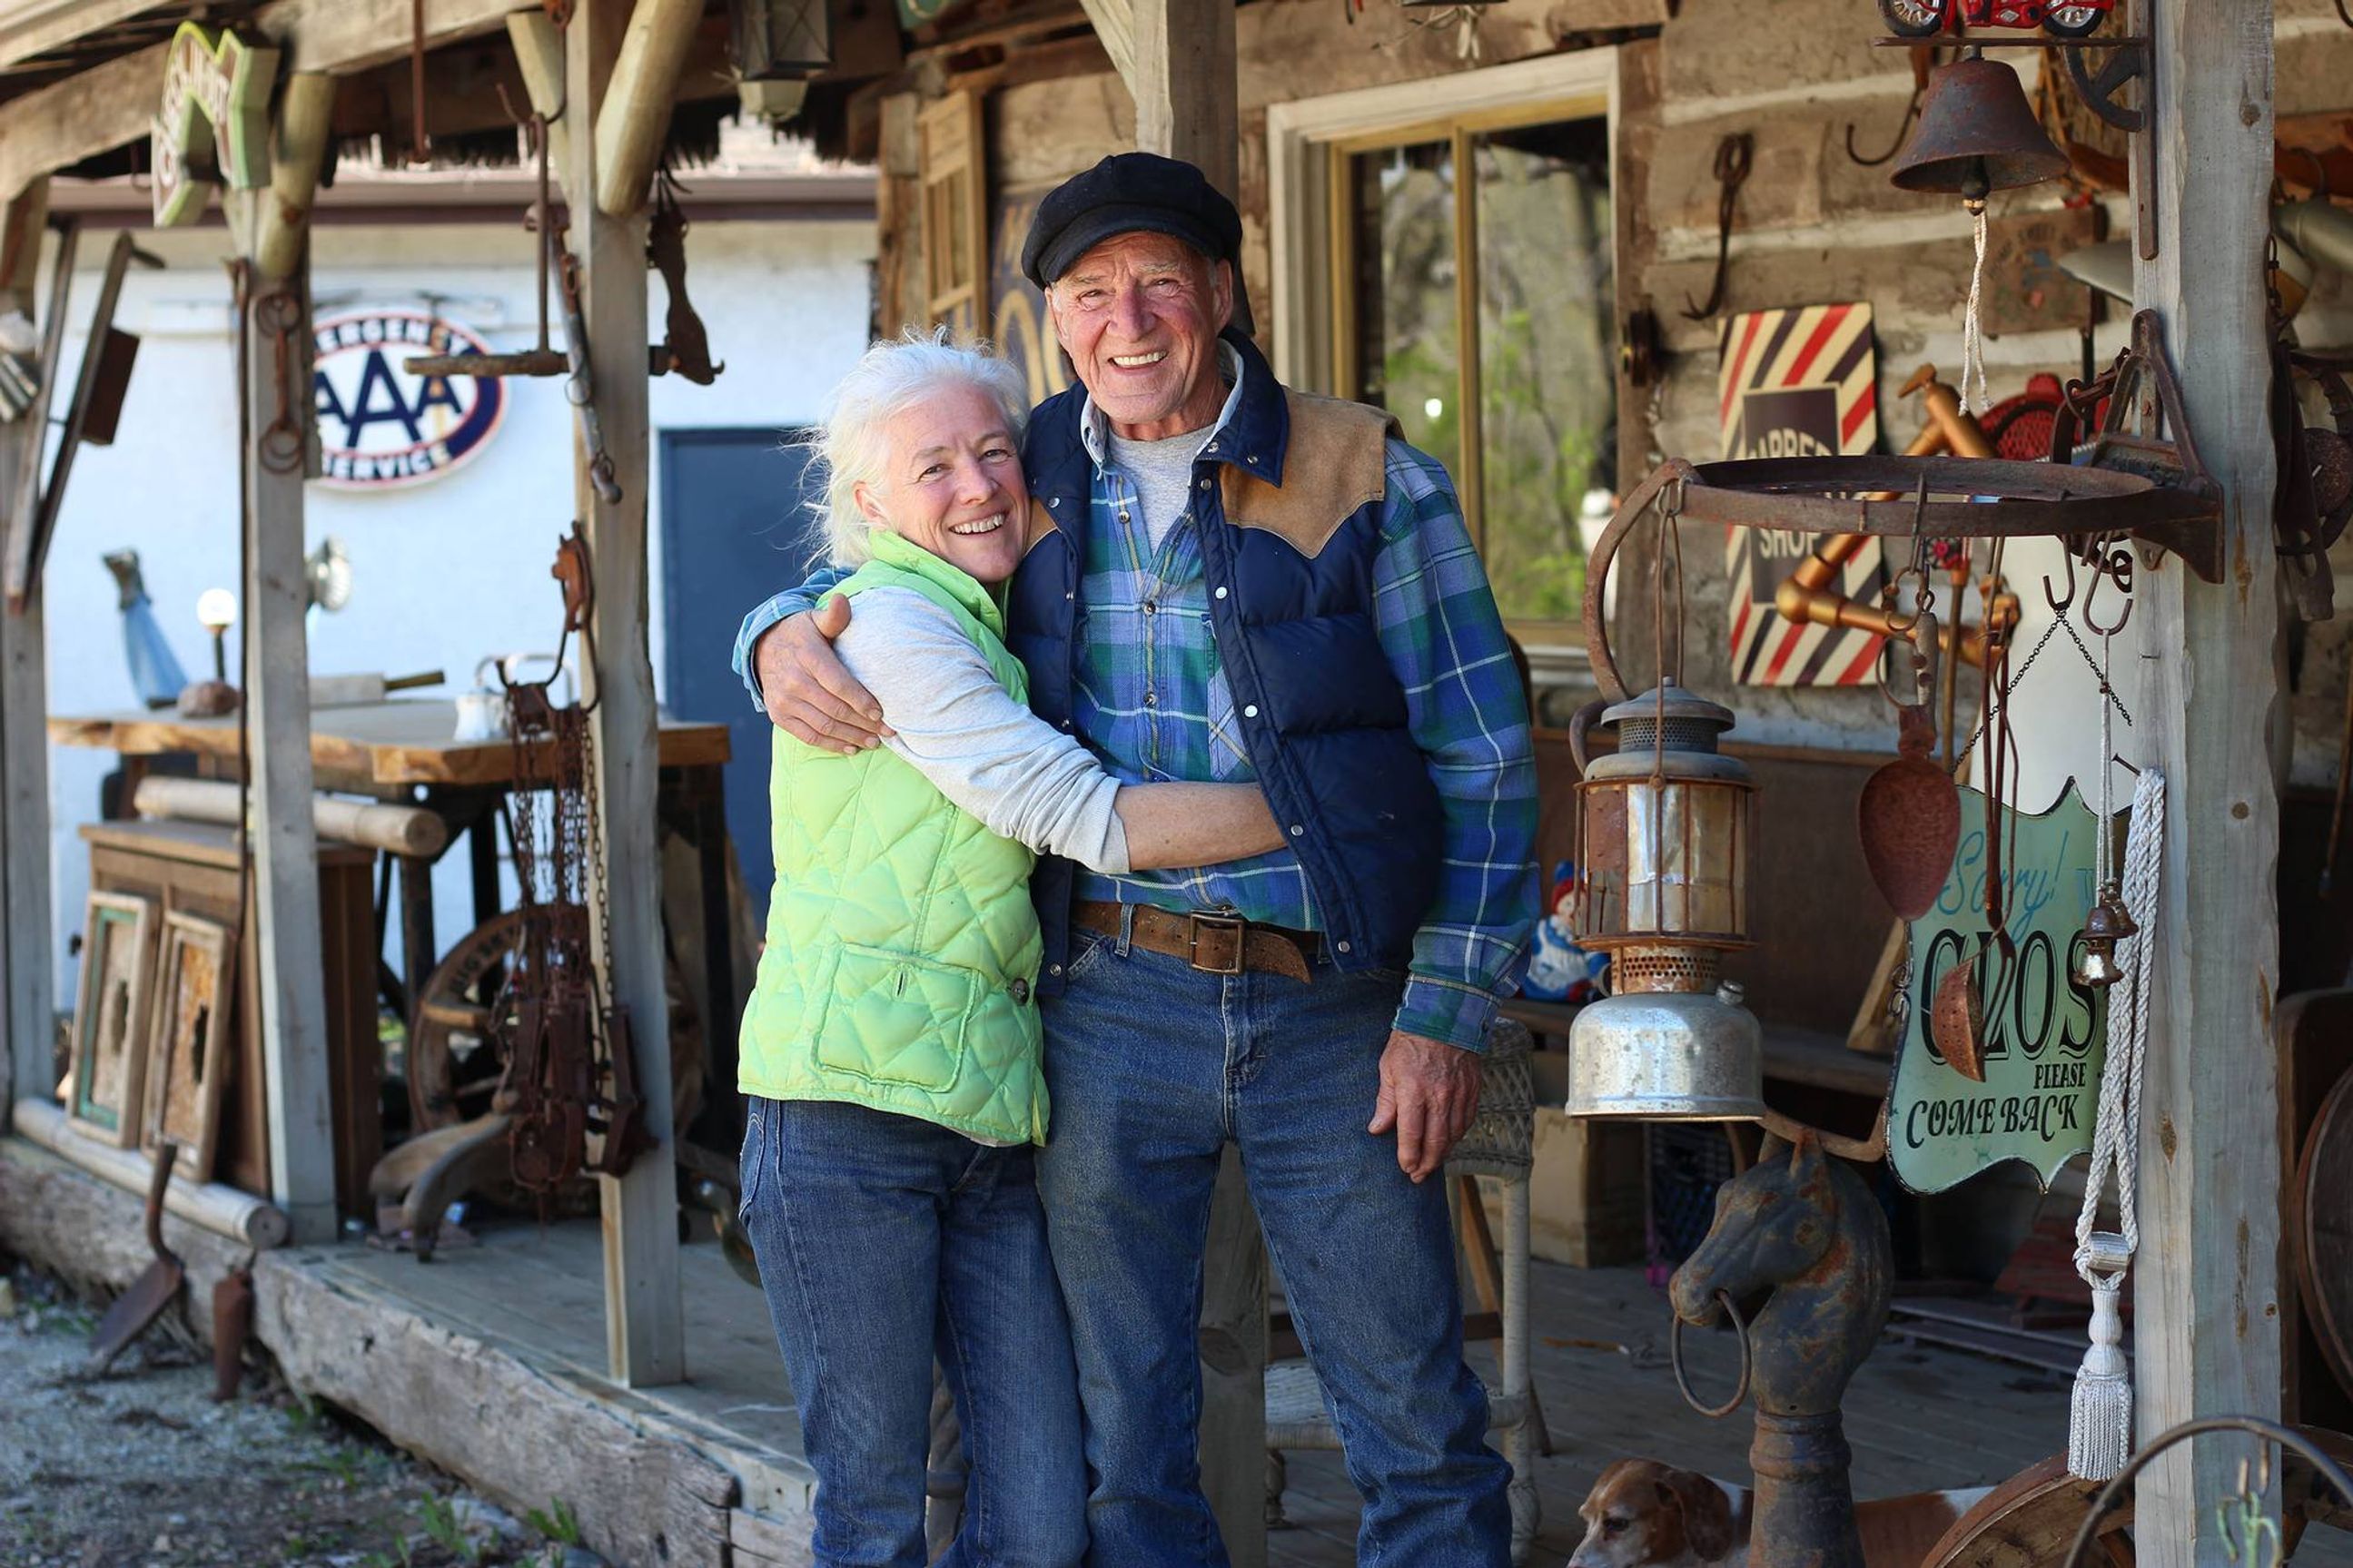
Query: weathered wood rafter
(110, 105)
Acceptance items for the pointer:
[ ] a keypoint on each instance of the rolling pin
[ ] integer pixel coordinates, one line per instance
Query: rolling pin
(365, 690)
(400, 829)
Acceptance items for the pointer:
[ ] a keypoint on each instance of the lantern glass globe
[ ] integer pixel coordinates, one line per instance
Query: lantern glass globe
(216, 609)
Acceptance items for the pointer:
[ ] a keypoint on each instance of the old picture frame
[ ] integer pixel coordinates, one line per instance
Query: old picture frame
(105, 1096)
(190, 1047)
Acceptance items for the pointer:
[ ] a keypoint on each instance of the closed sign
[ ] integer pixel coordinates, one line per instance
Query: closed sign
(382, 428)
(2045, 1032)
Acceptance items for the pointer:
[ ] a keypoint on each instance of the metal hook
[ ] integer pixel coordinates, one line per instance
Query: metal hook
(2114, 567)
(2060, 606)
(1732, 161)
(1921, 56)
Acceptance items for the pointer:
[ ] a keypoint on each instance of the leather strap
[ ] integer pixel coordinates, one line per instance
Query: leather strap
(1212, 943)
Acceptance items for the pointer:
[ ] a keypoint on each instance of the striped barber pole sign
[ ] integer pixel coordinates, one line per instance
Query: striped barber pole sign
(1796, 383)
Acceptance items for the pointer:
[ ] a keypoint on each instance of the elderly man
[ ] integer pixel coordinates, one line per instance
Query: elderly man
(1226, 580)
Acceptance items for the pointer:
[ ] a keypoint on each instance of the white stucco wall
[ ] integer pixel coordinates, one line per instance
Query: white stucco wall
(446, 571)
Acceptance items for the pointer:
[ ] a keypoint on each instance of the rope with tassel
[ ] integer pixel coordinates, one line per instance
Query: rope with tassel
(2100, 1418)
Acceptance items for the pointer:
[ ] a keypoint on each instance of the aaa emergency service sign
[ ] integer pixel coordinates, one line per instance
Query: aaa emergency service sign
(2045, 1032)
(381, 428)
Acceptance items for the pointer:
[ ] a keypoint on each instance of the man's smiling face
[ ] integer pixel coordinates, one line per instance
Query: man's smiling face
(1139, 315)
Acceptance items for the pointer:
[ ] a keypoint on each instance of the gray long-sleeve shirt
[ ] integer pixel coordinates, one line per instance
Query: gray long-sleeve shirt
(964, 732)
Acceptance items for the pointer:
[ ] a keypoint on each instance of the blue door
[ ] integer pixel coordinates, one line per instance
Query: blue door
(736, 527)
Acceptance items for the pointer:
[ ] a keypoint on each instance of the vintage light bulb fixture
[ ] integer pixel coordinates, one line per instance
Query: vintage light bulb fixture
(216, 612)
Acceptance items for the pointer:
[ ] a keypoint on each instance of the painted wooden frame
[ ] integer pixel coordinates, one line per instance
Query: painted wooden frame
(189, 1049)
(1311, 227)
(105, 1097)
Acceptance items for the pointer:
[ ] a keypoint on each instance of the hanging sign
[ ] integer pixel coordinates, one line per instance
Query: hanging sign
(1801, 382)
(2045, 1032)
(381, 428)
(214, 123)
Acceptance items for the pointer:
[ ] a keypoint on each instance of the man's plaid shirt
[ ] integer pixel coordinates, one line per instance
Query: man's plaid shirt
(1153, 703)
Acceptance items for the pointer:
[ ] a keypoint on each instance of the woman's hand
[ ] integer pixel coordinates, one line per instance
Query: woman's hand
(809, 694)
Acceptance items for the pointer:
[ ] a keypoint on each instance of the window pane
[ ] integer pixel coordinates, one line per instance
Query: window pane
(1547, 367)
(1407, 349)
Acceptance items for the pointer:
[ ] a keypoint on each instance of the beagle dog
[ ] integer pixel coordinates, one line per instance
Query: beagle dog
(1644, 1514)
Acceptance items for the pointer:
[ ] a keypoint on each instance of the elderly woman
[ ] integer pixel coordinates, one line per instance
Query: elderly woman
(891, 1049)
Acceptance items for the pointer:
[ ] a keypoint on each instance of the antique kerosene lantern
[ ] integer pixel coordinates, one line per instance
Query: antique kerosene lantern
(1666, 828)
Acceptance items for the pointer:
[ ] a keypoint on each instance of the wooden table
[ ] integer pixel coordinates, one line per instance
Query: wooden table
(404, 751)
(384, 746)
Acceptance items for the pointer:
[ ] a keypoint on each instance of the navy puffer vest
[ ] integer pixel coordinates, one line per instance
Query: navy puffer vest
(1290, 524)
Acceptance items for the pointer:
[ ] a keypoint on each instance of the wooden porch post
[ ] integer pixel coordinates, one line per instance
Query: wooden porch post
(1182, 79)
(643, 1319)
(27, 982)
(2207, 1329)
(274, 338)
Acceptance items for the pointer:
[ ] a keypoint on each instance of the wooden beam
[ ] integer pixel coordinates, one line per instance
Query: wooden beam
(1183, 82)
(539, 55)
(27, 981)
(1183, 85)
(644, 1317)
(297, 152)
(635, 114)
(1115, 24)
(110, 105)
(2207, 1290)
(33, 28)
(276, 346)
(343, 36)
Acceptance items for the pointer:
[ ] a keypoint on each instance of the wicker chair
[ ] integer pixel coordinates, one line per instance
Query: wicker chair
(1501, 1143)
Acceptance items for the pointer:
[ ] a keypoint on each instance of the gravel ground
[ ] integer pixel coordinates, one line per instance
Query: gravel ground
(140, 1467)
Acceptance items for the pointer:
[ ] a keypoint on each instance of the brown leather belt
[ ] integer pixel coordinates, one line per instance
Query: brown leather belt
(1212, 943)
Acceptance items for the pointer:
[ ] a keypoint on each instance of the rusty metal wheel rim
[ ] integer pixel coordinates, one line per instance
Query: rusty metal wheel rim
(1682, 1378)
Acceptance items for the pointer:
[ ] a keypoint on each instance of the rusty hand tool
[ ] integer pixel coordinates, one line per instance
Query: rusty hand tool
(153, 1291)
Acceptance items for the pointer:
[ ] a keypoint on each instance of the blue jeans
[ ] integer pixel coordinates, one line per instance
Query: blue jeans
(885, 1241)
(1153, 1067)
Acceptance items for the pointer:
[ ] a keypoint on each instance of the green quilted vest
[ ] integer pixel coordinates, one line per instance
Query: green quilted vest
(902, 943)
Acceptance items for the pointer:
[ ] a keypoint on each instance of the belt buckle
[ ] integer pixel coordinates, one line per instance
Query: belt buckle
(1194, 924)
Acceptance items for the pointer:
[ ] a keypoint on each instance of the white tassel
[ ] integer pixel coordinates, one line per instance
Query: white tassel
(2099, 1420)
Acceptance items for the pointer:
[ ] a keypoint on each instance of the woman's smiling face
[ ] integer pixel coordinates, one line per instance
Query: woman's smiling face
(952, 482)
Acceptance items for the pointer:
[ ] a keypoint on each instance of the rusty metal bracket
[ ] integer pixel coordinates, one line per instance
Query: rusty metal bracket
(2128, 61)
(2146, 433)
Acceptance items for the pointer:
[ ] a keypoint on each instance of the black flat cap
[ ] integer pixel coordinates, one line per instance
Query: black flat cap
(1125, 193)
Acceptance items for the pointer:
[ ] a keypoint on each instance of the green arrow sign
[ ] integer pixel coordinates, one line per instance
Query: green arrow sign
(2045, 1031)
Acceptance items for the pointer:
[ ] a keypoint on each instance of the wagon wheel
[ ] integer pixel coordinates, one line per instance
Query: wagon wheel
(453, 1057)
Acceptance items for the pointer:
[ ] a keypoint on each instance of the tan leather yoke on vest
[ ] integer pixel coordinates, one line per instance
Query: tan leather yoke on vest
(1337, 461)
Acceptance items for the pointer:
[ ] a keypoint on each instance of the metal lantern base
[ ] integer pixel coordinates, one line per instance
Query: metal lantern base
(1667, 1055)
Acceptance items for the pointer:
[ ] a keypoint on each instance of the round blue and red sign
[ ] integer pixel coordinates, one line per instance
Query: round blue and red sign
(382, 428)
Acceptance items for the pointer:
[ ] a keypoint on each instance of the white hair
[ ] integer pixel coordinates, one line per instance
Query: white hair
(848, 449)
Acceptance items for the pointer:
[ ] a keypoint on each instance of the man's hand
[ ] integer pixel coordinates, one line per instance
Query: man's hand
(1430, 1092)
(808, 692)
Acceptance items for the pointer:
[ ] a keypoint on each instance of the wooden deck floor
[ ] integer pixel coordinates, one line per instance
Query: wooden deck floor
(1916, 1418)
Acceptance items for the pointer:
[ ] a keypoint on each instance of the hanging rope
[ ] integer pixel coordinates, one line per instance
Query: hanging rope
(1972, 334)
(2099, 1426)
